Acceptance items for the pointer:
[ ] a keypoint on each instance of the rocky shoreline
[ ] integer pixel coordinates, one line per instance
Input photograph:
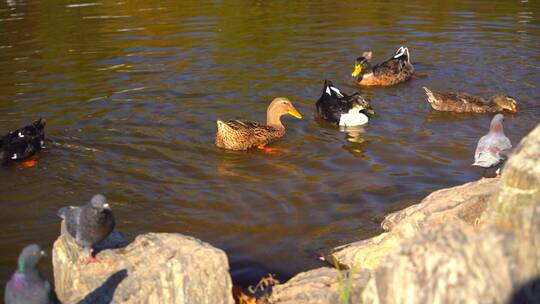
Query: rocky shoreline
(474, 242)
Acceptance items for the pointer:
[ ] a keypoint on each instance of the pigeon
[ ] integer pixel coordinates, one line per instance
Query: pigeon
(492, 148)
(22, 143)
(89, 224)
(26, 285)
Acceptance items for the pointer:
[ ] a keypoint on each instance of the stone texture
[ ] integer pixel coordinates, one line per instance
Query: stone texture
(498, 262)
(520, 179)
(466, 202)
(154, 268)
(319, 286)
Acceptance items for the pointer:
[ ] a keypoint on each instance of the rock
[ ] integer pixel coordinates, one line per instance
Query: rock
(450, 264)
(154, 268)
(320, 286)
(457, 263)
(520, 179)
(454, 263)
(466, 202)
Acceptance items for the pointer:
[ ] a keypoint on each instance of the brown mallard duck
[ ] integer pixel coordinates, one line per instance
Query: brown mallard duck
(242, 135)
(390, 72)
(463, 102)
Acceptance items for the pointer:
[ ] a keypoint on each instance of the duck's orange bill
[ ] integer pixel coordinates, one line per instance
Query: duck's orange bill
(295, 113)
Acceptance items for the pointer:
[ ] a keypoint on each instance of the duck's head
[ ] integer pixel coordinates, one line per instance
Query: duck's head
(363, 105)
(281, 106)
(505, 102)
(29, 258)
(277, 108)
(362, 64)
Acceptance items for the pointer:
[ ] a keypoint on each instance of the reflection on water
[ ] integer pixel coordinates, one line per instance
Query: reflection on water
(132, 90)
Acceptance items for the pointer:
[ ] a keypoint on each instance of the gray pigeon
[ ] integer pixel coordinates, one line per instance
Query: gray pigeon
(491, 150)
(89, 224)
(26, 285)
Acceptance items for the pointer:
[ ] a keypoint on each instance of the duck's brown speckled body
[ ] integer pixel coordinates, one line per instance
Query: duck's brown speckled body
(463, 102)
(390, 72)
(243, 135)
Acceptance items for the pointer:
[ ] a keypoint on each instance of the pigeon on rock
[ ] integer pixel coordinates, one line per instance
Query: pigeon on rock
(491, 148)
(89, 224)
(27, 286)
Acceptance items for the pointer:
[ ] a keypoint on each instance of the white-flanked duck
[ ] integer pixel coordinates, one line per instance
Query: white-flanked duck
(342, 109)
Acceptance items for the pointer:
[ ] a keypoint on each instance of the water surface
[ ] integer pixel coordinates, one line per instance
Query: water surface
(131, 92)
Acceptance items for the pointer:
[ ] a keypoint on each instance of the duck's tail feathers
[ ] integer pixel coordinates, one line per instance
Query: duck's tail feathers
(331, 90)
(430, 96)
(221, 124)
(223, 127)
(403, 53)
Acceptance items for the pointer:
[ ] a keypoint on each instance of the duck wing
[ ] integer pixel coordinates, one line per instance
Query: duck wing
(456, 102)
(242, 135)
(399, 63)
(252, 128)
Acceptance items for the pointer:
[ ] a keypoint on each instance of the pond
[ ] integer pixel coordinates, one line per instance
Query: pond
(132, 90)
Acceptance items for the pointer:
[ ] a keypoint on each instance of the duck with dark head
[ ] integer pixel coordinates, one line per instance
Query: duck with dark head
(390, 72)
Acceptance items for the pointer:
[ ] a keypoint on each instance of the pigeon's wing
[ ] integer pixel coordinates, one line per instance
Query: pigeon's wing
(49, 297)
(502, 143)
(489, 148)
(487, 160)
(71, 216)
(485, 156)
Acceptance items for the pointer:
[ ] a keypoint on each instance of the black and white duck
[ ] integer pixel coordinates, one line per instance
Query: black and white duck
(22, 143)
(342, 109)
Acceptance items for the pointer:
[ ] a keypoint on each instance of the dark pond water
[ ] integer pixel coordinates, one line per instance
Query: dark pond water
(132, 90)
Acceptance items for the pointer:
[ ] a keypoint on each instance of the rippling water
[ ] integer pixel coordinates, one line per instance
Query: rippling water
(131, 92)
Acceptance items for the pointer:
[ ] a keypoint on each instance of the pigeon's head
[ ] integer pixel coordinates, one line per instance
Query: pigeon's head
(505, 102)
(496, 123)
(29, 257)
(99, 202)
(362, 64)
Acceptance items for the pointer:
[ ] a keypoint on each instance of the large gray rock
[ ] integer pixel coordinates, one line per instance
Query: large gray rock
(320, 286)
(154, 268)
(496, 262)
(520, 179)
(466, 202)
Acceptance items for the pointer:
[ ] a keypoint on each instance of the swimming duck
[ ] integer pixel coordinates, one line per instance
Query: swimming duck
(242, 135)
(342, 109)
(463, 102)
(23, 143)
(491, 150)
(392, 71)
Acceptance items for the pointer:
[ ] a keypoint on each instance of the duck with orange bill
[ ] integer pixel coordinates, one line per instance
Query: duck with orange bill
(243, 135)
